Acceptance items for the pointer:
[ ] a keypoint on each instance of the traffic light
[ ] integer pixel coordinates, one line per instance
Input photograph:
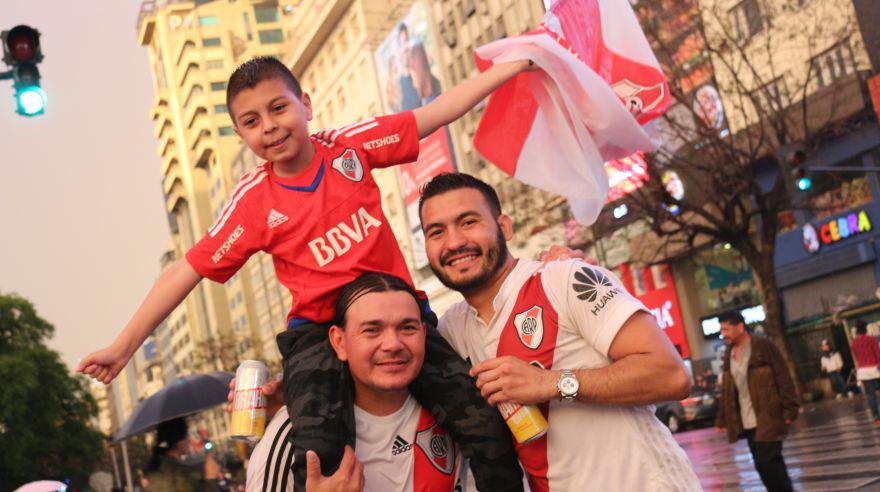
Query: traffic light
(21, 53)
(798, 173)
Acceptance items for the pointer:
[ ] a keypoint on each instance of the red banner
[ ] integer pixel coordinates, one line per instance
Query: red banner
(661, 300)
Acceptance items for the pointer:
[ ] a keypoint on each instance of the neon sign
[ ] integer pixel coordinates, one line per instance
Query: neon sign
(837, 229)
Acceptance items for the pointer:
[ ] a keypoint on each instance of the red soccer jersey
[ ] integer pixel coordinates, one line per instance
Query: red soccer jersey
(323, 227)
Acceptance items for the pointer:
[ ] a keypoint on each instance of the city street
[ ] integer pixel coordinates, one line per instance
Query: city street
(833, 446)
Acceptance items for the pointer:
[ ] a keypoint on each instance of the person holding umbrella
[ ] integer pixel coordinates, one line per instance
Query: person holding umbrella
(171, 470)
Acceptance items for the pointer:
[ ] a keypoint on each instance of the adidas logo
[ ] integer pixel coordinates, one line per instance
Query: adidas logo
(275, 219)
(400, 446)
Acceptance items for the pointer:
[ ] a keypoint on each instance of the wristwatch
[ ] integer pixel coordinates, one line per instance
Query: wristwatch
(568, 385)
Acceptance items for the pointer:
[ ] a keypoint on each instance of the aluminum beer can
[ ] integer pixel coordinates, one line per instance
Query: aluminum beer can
(249, 403)
(526, 422)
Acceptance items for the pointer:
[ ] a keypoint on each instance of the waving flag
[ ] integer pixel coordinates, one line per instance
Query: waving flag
(599, 86)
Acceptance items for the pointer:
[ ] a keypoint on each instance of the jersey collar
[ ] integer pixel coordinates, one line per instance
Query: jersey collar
(307, 180)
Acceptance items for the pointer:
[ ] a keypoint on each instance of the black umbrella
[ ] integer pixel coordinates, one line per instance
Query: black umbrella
(183, 396)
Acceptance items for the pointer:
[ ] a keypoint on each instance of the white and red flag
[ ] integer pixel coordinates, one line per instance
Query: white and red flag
(599, 86)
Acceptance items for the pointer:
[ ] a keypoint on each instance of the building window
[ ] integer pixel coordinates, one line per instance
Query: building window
(215, 64)
(272, 36)
(746, 20)
(202, 2)
(211, 42)
(218, 86)
(833, 64)
(220, 108)
(207, 20)
(773, 97)
(247, 26)
(226, 131)
(266, 13)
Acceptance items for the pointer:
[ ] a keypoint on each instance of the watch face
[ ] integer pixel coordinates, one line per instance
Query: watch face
(568, 385)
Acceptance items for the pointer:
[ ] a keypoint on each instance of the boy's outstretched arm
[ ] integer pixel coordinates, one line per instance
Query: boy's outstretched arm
(452, 104)
(167, 293)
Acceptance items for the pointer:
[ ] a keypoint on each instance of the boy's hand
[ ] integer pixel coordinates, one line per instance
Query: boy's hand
(103, 365)
(274, 391)
(557, 252)
(348, 478)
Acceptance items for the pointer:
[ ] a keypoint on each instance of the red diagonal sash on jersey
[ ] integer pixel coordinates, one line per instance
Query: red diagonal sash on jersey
(530, 334)
(435, 457)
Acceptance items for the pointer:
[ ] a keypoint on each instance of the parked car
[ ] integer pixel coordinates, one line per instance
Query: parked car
(698, 408)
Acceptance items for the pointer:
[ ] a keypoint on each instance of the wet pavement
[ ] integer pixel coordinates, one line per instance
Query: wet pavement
(834, 445)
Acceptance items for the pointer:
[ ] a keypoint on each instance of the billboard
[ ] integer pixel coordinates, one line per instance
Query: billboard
(407, 67)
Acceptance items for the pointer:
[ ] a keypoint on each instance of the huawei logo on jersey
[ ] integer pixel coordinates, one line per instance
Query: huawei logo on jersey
(349, 165)
(594, 287)
(530, 326)
(338, 240)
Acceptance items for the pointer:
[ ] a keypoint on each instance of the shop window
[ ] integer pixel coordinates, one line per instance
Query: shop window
(724, 280)
(836, 192)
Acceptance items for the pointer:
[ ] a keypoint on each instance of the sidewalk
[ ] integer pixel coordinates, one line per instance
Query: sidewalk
(834, 445)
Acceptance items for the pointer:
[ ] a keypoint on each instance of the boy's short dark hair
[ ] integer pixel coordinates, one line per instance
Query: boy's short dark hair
(366, 284)
(732, 317)
(861, 327)
(254, 71)
(446, 182)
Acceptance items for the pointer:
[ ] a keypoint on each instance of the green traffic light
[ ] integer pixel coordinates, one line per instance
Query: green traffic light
(804, 184)
(31, 101)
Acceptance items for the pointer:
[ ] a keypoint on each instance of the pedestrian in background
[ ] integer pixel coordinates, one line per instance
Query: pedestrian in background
(866, 351)
(758, 399)
(832, 365)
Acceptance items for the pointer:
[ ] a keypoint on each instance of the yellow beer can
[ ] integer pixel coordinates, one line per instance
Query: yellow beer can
(526, 422)
(249, 403)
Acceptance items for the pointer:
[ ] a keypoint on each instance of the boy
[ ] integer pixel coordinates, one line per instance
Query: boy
(316, 209)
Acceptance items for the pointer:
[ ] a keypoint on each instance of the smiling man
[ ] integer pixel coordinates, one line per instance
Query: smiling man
(378, 332)
(565, 336)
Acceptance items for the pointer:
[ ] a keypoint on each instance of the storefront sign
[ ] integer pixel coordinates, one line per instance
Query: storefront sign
(663, 304)
(874, 90)
(836, 230)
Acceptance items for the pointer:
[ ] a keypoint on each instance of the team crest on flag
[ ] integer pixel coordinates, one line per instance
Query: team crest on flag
(349, 165)
(438, 448)
(530, 326)
(639, 99)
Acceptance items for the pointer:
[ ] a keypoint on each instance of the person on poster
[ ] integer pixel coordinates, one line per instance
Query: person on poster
(409, 96)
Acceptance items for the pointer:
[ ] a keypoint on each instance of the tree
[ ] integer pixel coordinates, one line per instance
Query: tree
(44, 411)
(777, 67)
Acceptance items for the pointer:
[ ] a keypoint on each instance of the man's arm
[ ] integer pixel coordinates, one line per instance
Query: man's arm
(167, 293)
(646, 368)
(455, 102)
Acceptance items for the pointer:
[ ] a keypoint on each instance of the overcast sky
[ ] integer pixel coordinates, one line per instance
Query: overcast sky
(82, 226)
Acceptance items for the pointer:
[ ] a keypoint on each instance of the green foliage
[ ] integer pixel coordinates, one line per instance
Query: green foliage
(44, 410)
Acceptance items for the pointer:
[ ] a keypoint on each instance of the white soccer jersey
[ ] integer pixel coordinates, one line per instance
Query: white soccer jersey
(564, 316)
(405, 451)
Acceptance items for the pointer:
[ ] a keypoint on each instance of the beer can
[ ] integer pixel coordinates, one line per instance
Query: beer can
(249, 403)
(526, 422)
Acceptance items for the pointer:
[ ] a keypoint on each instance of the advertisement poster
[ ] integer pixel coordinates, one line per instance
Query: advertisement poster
(408, 68)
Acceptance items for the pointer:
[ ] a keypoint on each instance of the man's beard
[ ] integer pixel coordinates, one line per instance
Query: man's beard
(494, 261)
